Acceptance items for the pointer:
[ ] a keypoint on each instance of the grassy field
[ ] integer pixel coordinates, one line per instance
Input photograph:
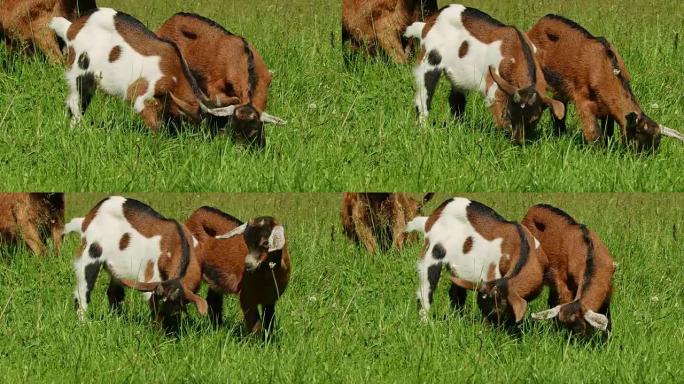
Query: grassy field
(350, 317)
(349, 127)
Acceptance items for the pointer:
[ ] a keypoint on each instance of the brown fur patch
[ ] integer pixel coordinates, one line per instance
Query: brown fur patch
(467, 244)
(463, 50)
(114, 54)
(124, 241)
(71, 56)
(76, 27)
(136, 89)
(149, 271)
(491, 272)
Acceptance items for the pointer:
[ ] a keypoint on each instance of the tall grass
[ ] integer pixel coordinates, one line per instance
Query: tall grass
(350, 127)
(350, 317)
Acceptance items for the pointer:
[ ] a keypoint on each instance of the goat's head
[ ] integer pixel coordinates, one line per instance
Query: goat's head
(576, 317)
(169, 299)
(265, 240)
(645, 133)
(247, 122)
(497, 302)
(525, 105)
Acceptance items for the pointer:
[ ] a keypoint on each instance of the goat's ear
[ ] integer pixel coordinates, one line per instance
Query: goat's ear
(277, 239)
(518, 304)
(236, 231)
(185, 107)
(270, 119)
(199, 302)
(557, 108)
(548, 314)
(596, 320)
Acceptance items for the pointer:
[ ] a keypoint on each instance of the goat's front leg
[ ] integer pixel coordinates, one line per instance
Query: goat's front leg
(215, 302)
(269, 317)
(86, 269)
(252, 319)
(590, 126)
(30, 233)
(428, 275)
(363, 230)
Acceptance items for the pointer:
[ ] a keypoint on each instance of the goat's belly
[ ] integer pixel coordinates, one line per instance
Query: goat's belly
(138, 261)
(476, 265)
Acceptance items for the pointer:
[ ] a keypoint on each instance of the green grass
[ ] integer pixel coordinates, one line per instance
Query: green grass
(350, 317)
(349, 127)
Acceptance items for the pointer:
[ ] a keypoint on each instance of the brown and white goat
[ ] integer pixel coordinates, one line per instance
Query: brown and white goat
(31, 216)
(378, 220)
(249, 259)
(117, 53)
(139, 249)
(227, 68)
(588, 71)
(27, 21)
(580, 270)
(477, 52)
(499, 259)
(374, 25)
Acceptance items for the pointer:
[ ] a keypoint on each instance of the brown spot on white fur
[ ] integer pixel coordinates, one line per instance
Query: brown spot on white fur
(114, 54)
(136, 89)
(124, 241)
(149, 271)
(468, 244)
(463, 49)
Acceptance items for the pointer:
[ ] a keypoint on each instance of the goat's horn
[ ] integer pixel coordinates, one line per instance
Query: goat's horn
(139, 285)
(236, 231)
(268, 118)
(221, 111)
(505, 86)
(669, 132)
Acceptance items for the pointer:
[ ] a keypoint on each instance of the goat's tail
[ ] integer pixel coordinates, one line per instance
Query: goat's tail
(74, 226)
(60, 25)
(415, 30)
(416, 225)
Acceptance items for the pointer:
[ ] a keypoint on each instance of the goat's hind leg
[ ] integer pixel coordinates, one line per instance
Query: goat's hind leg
(86, 269)
(426, 77)
(428, 275)
(81, 90)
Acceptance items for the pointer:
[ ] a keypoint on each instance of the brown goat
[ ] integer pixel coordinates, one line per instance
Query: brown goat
(378, 220)
(139, 249)
(27, 21)
(371, 25)
(228, 69)
(580, 270)
(248, 259)
(499, 259)
(588, 71)
(31, 216)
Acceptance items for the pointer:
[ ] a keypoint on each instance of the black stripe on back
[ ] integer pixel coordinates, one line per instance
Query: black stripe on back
(478, 209)
(186, 69)
(205, 20)
(479, 15)
(558, 212)
(139, 207)
(589, 266)
(251, 69)
(222, 214)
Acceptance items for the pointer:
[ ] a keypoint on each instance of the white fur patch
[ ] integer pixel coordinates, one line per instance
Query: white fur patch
(451, 230)
(97, 37)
